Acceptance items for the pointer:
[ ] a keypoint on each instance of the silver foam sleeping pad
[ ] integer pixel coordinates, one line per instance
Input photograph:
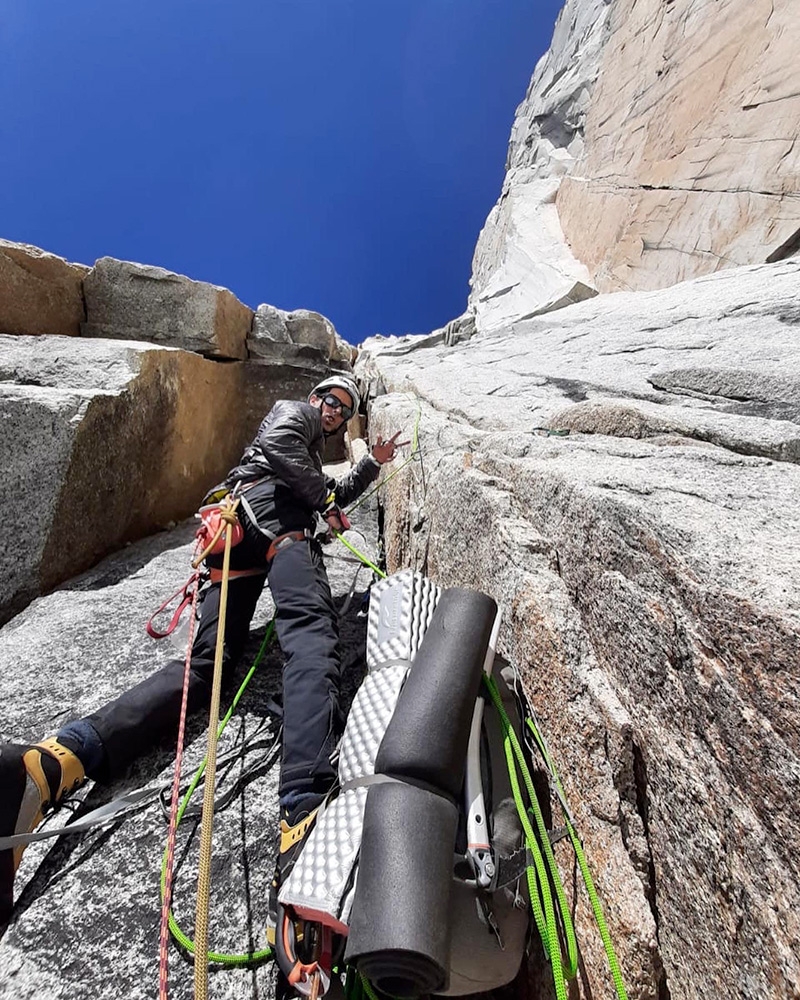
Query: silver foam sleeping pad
(322, 883)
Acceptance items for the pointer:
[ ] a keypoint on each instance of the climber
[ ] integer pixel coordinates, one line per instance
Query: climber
(282, 486)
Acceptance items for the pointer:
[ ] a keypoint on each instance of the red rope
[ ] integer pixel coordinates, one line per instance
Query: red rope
(163, 952)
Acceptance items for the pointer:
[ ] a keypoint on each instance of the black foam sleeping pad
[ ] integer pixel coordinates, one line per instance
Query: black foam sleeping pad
(427, 737)
(400, 928)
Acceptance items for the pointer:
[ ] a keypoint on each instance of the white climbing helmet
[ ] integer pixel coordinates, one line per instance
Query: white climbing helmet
(338, 382)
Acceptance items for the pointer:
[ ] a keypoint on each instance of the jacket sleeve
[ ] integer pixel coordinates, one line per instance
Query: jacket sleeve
(286, 442)
(351, 486)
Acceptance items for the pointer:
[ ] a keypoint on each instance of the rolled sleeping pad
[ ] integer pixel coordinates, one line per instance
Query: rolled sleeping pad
(400, 924)
(427, 738)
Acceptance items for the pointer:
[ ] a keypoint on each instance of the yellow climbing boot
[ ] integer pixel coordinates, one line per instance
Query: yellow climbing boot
(34, 779)
(291, 844)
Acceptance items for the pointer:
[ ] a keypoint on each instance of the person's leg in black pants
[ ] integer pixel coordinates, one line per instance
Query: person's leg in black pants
(307, 624)
(146, 715)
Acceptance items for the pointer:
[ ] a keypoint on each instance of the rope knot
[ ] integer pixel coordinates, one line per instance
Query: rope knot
(228, 514)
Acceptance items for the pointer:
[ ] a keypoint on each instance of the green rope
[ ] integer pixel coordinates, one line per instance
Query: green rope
(597, 908)
(183, 939)
(540, 872)
(380, 485)
(360, 555)
(366, 987)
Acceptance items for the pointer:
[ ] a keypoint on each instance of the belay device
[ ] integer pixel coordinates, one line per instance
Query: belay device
(400, 871)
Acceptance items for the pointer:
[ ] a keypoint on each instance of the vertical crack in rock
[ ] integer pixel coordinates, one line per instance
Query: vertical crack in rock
(630, 781)
(640, 787)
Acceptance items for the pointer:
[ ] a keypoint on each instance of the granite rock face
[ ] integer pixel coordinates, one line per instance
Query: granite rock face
(523, 264)
(105, 441)
(39, 292)
(130, 301)
(622, 476)
(690, 161)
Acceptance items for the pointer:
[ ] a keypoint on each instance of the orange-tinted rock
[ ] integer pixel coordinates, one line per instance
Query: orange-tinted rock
(690, 160)
(39, 292)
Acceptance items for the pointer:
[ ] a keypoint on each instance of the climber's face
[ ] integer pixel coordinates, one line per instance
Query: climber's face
(330, 406)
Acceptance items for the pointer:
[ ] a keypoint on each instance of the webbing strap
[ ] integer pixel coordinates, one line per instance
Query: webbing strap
(280, 542)
(254, 520)
(188, 593)
(370, 779)
(111, 812)
(215, 575)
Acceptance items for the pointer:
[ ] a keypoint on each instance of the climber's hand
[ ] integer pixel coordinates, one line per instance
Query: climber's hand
(383, 451)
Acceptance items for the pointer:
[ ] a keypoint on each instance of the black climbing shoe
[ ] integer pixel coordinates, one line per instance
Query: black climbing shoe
(293, 838)
(34, 779)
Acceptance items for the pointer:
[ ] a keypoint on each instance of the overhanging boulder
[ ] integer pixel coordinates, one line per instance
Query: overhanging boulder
(277, 334)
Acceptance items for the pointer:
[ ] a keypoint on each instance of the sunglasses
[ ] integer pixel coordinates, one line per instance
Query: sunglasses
(337, 404)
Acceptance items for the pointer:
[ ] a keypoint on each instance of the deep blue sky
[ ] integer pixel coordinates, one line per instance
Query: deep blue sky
(337, 155)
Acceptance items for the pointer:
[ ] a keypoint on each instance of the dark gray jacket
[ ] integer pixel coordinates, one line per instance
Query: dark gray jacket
(288, 449)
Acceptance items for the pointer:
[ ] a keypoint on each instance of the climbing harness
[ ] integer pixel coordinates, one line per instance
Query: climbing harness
(281, 542)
